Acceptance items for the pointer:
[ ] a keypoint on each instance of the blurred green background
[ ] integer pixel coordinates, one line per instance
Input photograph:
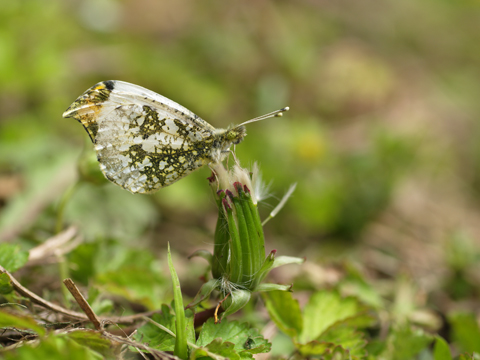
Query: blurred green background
(382, 136)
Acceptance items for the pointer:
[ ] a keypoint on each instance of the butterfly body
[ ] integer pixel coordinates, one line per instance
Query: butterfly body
(145, 141)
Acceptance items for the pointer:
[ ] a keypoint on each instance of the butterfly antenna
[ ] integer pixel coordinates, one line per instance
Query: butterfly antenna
(275, 113)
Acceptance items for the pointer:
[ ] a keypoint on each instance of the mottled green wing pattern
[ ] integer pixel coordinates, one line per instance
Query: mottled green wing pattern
(143, 140)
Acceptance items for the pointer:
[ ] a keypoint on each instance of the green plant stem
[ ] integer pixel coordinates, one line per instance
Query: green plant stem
(67, 195)
(181, 349)
(63, 269)
(64, 273)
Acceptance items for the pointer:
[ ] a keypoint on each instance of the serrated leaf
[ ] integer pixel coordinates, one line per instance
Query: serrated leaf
(346, 336)
(12, 257)
(154, 336)
(159, 339)
(327, 308)
(93, 340)
(405, 342)
(218, 347)
(341, 340)
(246, 340)
(285, 311)
(6, 286)
(339, 353)
(466, 331)
(441, 350)
(21, 322)
(255, 346)
(326, 350)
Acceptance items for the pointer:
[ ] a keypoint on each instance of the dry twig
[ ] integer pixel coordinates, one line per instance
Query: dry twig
(72, 314)
(83, 303)
(52, 249)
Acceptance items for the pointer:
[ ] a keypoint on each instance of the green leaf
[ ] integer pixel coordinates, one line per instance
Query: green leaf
(132, 273)
(55, 347)
(376, 347)
(286, 260)
(82, 261)
(405, 342)
(154, 336)
(264, 269)
(354, 284)
(465, 331)
(12, 257)
(160, 339)
(314, 348)
(339, 353)
(347, 337)
(93, 340)
(326, 308)
(134, 283)
(235, 301)
(204, 292)
(325, 350)
(281, 344)
(284, 310)
(181, 349)
(6, 286)
(273, 287)
(21, 322)
(246, 340)
(217, 347)
(441, 350)
(342, 339)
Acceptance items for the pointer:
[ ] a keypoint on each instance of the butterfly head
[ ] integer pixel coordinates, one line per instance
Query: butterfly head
(236, 134)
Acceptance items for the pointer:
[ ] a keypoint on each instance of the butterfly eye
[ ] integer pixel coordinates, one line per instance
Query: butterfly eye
(232, 134)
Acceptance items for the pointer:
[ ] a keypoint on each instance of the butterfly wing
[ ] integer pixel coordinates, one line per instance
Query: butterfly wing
(143, 140)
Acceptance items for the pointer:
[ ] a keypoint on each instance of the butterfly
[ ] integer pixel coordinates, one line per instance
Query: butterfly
(145, 141)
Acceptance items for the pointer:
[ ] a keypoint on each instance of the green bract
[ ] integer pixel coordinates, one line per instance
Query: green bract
(238, 263)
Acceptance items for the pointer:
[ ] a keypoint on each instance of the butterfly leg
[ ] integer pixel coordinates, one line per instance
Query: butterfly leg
(234, 157)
